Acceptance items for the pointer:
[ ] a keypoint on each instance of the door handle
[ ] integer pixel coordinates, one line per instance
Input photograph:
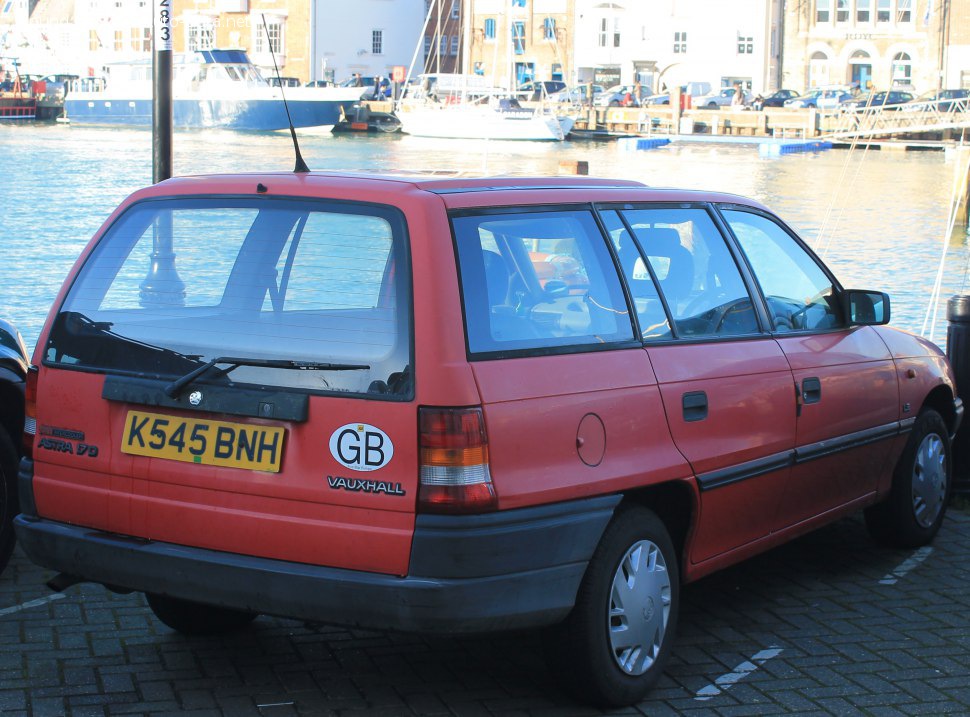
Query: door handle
(811, 390)
(695, 406)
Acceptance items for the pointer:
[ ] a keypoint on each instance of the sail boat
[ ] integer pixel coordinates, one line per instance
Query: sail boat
(464, 106)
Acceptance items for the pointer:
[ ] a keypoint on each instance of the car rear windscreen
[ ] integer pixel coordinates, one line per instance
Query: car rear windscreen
(323, 287)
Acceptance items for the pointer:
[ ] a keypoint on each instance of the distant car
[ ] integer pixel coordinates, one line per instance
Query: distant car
(368, 85)
(942, 100)
(826, 98)
(285, 81)
(577, 94)
(319, 83)
(775, 99)
(721, 98)
(877, 101)
(539, 90)
(663, 99)
(616, 96)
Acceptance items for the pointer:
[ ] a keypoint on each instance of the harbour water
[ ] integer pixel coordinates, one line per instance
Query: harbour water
(878, 218)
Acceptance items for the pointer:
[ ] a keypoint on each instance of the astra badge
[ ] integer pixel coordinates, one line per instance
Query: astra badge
(195, 398)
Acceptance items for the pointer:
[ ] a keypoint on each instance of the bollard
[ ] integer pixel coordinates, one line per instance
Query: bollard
(958, 352)
(573, 167)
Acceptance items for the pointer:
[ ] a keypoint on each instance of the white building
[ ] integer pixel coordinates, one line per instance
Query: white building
(364, 36)
(666, 43)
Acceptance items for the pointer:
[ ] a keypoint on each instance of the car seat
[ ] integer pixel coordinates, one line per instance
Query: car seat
(678, 280)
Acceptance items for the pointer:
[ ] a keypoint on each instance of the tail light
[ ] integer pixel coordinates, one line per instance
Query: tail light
(454, 474)
(30, 412)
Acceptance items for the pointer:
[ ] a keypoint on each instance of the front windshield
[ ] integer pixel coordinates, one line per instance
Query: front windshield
(175, 283)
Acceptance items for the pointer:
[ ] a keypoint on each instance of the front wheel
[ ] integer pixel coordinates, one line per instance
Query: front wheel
(192, 618)
(912, 514)
(614, 644)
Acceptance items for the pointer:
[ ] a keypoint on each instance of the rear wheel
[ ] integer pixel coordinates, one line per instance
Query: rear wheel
(193, 618)
(8, 497)
(912, 514)
(614, 644)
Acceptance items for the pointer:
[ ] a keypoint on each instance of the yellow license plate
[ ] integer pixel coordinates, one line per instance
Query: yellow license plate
(210, 443)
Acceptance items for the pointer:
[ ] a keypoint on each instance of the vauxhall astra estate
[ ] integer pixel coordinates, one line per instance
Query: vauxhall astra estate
(464, 405)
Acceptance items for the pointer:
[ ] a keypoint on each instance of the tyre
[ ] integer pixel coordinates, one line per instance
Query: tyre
(614, 103)
(614, 644)
(912, 514)
(193, 618)
(8, 496)
(712, 106)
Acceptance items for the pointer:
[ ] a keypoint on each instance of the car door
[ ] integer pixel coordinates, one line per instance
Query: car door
(845, 378)
(725, 384)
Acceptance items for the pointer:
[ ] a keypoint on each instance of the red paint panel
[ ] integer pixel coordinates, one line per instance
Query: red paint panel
(535, 406)
(751, 415)
(292, 515)
(859, 391)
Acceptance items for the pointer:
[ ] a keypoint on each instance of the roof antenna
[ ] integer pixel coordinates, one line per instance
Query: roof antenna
(300, 164)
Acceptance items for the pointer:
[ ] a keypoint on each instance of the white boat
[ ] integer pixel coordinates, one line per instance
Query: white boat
(463, 107)
(210, 88)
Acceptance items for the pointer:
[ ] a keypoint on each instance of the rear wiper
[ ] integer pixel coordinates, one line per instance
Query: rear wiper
(175, 388)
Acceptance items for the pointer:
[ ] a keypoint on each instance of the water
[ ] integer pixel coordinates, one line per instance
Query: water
(884, 213)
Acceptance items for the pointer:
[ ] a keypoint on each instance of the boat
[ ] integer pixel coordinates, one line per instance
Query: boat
(457, 106)
(210, 89)
(17, 101)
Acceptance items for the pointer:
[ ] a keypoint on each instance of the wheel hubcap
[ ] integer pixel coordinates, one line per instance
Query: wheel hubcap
(929, 480)
(639, 608)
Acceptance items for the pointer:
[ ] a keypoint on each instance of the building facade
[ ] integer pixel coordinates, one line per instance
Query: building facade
(444, 28)
(669, 43)
(867, 43)
(516, 41)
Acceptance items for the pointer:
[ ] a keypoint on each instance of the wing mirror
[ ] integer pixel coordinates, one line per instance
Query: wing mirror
(865, 308)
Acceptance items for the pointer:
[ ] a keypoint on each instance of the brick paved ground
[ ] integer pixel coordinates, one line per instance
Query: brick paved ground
(850, 644)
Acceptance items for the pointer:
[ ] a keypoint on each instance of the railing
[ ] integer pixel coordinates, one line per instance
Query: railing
(909, 118)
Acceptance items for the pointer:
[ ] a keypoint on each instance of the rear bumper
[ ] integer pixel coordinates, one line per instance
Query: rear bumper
(512, 569)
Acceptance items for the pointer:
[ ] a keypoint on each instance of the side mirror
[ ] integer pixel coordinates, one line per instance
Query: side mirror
(865, 308)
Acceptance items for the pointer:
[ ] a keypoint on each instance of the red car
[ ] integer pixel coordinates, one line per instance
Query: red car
(464, 405)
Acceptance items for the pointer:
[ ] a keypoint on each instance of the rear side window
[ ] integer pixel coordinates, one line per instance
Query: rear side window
(176, 283)
(538, 280)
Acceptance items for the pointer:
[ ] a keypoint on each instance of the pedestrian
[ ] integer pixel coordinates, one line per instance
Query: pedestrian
(738, 99)
(637, 93)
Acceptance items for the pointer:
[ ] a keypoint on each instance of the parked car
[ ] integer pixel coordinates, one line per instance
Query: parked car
(825, 98)
(578, 94)
(721, 98)
(877, 101)
(941, 100)
(539, 90)
(661, 99)
(13, 374)
(367, 84)
(619, 95)
(464, 405)
(775, 99)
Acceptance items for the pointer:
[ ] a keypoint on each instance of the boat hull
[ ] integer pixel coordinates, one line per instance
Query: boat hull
(261, 114)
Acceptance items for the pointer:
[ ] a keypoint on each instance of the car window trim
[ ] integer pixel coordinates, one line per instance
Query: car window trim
(390, 210)
(761, 315)
(619, 344)
(836, 286)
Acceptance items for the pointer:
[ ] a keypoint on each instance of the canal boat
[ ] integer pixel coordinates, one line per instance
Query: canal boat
(210, 89)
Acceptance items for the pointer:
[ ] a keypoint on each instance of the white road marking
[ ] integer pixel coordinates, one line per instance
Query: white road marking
(32, 603)
(904, 567)
(725, 682)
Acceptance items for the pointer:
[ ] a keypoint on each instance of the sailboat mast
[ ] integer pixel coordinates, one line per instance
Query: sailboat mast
(466, 35)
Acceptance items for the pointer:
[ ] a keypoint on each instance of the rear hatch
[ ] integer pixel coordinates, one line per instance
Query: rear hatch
(235, 373)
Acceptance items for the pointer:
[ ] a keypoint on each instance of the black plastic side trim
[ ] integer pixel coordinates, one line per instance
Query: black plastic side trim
(235, 401)
(509, 541)
(843, 443)
(907, 424)
(751, 469)
(25, 487)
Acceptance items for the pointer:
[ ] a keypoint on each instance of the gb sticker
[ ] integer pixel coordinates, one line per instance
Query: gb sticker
(361, 447)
